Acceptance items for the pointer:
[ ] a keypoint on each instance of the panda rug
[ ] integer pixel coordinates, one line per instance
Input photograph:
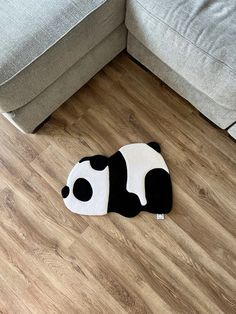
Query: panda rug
(134, 179)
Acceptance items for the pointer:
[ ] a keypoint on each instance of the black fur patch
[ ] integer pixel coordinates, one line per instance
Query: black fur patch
(120, 200)
(158, 192)
(82, 190)
(97, 162)
(155, 146)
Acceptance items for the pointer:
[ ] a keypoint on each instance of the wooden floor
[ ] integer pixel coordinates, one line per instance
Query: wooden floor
(53, 261)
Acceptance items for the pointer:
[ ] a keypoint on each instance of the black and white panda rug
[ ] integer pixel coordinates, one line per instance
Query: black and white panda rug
(134, 179)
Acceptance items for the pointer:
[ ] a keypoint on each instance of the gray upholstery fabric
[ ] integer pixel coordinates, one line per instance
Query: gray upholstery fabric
(28, 117)
(196, 39)
(26, 78)
(232, 131)
(221, 116)
(29, 28)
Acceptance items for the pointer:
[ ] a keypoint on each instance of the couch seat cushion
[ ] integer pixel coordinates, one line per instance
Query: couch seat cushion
(197, 39)
(40, 40)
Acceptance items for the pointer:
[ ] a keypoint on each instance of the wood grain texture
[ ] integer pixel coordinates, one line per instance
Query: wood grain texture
(53, 261)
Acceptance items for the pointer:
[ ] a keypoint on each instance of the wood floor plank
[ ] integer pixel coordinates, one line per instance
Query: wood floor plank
(53, 261)
(148, 268)
(44, 250)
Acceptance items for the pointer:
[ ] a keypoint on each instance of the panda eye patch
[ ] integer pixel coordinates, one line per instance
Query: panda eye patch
(82, 190)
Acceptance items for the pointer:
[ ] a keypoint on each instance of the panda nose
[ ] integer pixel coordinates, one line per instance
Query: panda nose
(65, 191)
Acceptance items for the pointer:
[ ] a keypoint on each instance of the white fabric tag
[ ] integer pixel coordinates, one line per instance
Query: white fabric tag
(160, 216)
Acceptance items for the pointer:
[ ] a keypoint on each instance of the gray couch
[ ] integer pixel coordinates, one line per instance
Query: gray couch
(49, 49)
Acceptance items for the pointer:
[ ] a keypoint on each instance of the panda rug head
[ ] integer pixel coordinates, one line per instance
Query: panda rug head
(134, 179)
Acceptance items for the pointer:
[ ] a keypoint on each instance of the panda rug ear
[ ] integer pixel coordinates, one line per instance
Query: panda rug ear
(97, 162)
(155, 146)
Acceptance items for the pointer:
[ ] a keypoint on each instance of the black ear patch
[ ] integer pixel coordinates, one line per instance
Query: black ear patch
(155, 146)
(82, 190)
(98, 162)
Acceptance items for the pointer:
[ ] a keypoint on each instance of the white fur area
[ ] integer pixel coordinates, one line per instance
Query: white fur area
(99, 181)
(140, 159)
